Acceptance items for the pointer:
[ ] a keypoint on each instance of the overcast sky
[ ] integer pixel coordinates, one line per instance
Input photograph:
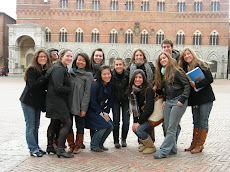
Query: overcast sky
(9, 7)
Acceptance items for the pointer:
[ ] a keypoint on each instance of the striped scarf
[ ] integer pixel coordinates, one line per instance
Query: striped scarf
(133, 105)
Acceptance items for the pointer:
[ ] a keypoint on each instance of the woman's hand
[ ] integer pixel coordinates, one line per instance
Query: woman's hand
(163, 105)
(135, 126)
(106, 117)
(192, 83)
(82, 113)
(179, 104)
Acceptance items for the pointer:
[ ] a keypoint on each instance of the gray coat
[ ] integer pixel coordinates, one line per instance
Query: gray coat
(80, 84)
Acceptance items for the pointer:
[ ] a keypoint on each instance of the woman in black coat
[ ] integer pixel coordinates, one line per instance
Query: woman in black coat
(201, 101)
(57, 103)
(33, 99)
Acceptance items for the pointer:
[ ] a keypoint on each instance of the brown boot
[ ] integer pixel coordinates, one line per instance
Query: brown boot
(194, 139)
(70, 140)
(79, 141)
(200, 143)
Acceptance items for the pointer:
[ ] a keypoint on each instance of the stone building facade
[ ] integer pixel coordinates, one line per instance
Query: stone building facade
(120, 26)
(4, 20)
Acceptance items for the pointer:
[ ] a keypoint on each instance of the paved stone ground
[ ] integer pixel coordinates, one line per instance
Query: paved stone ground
(14, 155)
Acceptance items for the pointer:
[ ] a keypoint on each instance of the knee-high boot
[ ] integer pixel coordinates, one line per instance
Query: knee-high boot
(78, 143)
(149, 146)
(200, 143)
(194, 139)
(50, 147)
(70, 140)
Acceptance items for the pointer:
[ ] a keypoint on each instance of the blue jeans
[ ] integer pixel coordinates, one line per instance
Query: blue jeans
(117, 113)
(79, 122)
(201, 114)
(172, 116)
(141, 130)
(32, 119)
(100, 136)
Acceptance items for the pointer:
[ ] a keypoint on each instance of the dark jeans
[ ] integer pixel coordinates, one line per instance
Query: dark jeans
(79, 122)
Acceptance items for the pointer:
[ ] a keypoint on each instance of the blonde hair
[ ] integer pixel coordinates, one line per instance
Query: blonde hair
(196, 61)
(170, 69)
(62, 53)
(133, 56)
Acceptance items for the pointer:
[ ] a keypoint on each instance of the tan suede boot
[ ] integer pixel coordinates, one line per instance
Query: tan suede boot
(149, 146)
(194, 139)
(70, 140)
(78, 143)
(200, 144)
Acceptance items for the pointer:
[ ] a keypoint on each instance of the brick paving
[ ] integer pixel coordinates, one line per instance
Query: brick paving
(14, 155)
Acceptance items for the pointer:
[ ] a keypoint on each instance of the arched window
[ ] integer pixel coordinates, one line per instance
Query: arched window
(95, 36)
(113, 36)
(63, 35)
(160, 5)
(197, 38)
(80, 4)
(215, 5)
(160, 37)
(79, 35)
(144, 37)
(145, 5)
(181, 6)
(96, 4)
(129, 5)
(114, 5)
(129, 37)
(198, 6)
(214, 38)
(180, 38)
(63, 3)
(48, 35)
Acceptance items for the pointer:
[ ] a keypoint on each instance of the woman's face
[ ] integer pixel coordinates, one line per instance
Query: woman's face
(163, 60)
(42, 59)
(98, 57)
(67, 58)
(188, 57)
(138, 80)
(119, 66)
(80, 62)
(106, 76)
(139, 57)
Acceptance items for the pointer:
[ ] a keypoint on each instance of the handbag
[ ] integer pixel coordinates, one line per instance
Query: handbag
(157, 116)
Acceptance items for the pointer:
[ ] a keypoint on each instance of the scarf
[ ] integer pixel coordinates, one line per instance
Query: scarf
(148, 70)
(133, 105)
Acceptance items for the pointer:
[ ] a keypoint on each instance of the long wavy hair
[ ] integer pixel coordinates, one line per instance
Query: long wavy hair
(170, 69)
(86, 57)
(196, 61)
(134, 53)
(36, 66)
(92, 58)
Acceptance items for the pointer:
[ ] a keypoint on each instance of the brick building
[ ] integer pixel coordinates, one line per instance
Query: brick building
(4, 20)
(119, 26)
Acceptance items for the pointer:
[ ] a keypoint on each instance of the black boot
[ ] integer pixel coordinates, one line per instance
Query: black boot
(61, 152)
(50, 138)
(50, 148)
(116, 138)
(123, 138)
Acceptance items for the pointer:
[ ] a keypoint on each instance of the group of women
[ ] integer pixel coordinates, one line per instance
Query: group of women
(89, 89)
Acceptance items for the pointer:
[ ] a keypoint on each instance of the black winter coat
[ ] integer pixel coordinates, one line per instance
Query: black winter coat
(34, 92)
(119, 85)
(57, 94)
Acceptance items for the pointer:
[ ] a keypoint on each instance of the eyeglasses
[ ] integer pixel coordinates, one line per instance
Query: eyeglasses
(42, 57)
(53, 52)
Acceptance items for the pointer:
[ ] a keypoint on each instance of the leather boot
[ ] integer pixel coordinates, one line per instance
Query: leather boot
(194, 139)
(116, 138)
(61, 152)
(50, 147)
(124, 137)
(149, 146)
(78, 143)
(70, 140)
(200, 143)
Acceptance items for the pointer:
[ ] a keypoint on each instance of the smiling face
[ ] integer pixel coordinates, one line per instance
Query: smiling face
(167, 48)
(138, 80)
(106, 76)
(163, 60)
(81, 63)
(188, 57)
(67, 58)
(42, 58)
(98, 57)
(119, 66)
(139, 57)
(54, 55)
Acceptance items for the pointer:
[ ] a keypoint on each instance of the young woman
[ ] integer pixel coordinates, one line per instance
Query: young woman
(33, 99)
(97, 59)
(120, 82)
(79, 97)
(97, 117)
(175, 85)
(140, 94)
(57, 103)
(201, 101)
